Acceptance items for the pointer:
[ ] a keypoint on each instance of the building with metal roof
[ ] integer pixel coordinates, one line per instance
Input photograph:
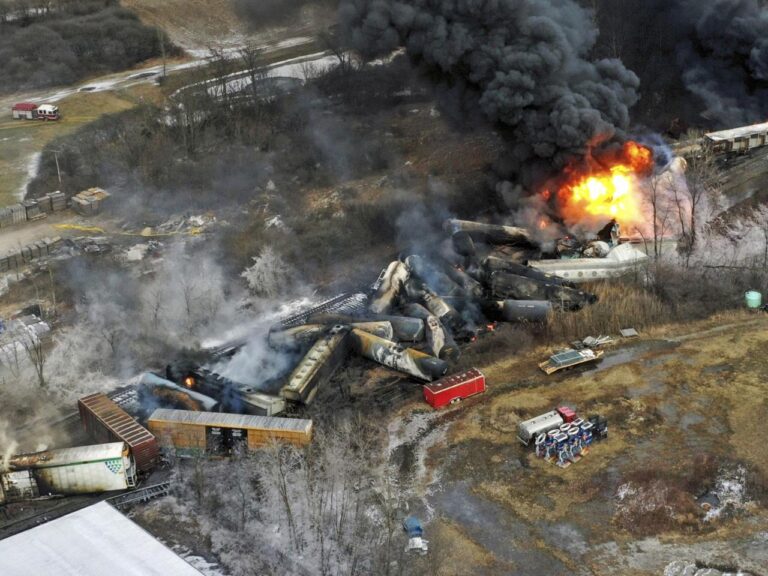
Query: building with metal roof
(93, 541)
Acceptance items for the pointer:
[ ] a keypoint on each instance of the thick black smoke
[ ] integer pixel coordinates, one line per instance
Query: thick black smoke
(725, 63)
(523, 64)
(715, 50)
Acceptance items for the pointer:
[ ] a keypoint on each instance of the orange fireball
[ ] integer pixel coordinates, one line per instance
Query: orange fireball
(606, 186)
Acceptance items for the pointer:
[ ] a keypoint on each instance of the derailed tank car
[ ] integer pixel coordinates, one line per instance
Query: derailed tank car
(80, 470)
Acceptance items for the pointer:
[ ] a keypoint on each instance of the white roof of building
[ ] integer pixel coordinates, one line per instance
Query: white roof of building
(94, 541)
(741, 132)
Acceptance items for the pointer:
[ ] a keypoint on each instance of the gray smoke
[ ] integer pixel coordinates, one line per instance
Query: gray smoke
(523, 64)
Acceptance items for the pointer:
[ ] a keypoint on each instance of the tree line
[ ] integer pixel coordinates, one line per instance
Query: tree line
(49, 43)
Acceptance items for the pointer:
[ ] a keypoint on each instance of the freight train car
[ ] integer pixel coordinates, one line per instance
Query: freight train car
(194, 433)
(105, 421)
(81, 470)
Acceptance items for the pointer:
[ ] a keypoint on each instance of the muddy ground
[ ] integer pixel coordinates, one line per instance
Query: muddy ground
(685, 406)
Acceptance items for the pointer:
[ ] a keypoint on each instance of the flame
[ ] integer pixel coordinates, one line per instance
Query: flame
(189, 382)
(606, 186)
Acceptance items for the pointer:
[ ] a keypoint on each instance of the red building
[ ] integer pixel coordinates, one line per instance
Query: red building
(454, 388)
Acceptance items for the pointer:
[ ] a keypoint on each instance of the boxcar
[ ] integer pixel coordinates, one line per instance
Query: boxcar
(454, 388)
(105, 421)
(194, 433)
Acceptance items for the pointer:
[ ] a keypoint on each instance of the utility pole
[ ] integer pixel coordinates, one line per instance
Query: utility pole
(58, 170)
(161, 40)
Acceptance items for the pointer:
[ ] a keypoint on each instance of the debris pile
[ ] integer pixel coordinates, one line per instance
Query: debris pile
(570, 358)
(422, 306)
(413, 318)
(89, 202)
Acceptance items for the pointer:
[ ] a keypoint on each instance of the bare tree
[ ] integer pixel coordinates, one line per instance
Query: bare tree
(659, 214)
(332, 42)
(252, 57)
(37, 355)
(191, 112)
(704, 178)
(10, 358)
(283, 461)
(221, 66)
(154, 304)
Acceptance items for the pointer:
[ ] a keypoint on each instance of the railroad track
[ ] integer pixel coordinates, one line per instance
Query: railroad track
(348, 303)
(141, 495)
(61, 507)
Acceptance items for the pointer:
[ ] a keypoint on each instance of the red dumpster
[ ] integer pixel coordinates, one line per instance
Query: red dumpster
(454, 388)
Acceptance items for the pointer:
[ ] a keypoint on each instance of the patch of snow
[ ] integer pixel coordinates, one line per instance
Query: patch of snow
(198, 562)
(730, 488)
(136, 252)
(32, 165)
(274, 222)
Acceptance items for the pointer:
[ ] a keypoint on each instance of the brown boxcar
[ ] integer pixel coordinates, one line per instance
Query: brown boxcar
(105, 421)
(195, 433)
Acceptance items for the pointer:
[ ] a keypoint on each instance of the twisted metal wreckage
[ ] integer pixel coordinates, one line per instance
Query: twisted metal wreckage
(414, 314)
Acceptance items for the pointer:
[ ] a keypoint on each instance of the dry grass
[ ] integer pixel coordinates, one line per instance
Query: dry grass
(674, 294)
(619, 306)
(19, 140)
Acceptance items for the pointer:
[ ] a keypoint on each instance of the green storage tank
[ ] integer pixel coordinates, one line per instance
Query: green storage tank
(753, 299)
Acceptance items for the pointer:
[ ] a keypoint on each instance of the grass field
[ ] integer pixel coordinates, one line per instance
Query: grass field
(684, 403)
(22, 140)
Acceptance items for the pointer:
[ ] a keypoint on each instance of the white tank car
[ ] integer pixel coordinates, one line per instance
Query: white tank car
(81, 470)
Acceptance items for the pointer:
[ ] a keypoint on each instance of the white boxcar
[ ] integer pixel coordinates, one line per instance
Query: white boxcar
(81, 470)
(529, 429)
